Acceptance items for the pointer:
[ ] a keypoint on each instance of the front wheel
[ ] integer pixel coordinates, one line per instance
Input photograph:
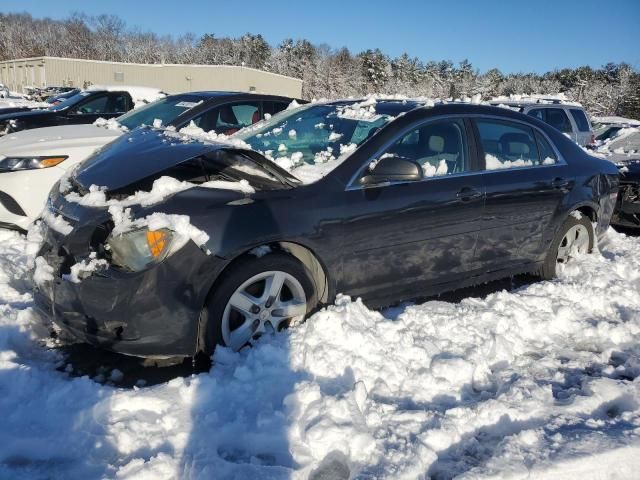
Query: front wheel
(575, 237)
(258, 295)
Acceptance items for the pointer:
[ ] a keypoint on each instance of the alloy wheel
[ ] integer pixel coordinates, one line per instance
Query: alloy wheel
(575, 241)
(269, 299)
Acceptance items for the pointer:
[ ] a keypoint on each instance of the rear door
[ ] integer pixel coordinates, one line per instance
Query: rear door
(525, 181)
(400, 239)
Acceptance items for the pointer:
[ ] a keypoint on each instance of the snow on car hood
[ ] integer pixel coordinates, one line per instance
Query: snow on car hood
(137, 155)
(55, 140)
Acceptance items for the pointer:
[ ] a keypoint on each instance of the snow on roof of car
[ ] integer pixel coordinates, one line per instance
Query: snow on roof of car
(140, 95)
(539, 99)
(616, 120)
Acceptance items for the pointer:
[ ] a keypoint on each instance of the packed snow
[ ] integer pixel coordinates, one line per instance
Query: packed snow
(539, 382)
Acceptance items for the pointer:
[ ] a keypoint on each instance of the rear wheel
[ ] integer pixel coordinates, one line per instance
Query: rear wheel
(575, 237)
(258, 295)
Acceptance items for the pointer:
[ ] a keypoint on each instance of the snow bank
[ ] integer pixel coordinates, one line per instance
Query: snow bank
(541, 382)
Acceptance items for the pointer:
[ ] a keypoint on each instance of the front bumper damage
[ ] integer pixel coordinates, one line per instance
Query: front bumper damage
(154, 313)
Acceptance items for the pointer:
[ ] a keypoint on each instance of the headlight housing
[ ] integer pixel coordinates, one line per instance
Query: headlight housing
(14, 164)
(138, 249)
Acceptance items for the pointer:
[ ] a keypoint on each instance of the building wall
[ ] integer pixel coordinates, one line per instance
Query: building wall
(50, 71)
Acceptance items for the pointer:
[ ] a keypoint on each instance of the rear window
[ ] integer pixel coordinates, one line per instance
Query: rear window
(581, 119)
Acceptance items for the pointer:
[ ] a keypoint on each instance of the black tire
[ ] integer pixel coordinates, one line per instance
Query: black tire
(548, 270)
(239, 273)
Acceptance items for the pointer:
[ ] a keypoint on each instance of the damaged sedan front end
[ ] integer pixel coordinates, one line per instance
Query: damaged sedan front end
(118, 264)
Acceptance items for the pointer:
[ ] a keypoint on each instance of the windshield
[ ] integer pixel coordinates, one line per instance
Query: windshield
(166, 110)
(627, 144)
(312, 140)
(70, 101)
(608, 133)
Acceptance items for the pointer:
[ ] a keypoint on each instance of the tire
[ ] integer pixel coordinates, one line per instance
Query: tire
(216, 316)
(549, 267)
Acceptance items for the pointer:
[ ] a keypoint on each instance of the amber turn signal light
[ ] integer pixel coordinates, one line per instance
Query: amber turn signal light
(51, 161)
(157, 241)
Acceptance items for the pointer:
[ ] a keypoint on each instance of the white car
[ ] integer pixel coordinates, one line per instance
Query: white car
(32, 161)
(4, 91)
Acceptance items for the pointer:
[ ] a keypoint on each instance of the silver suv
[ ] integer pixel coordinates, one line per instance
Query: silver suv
(568, 117)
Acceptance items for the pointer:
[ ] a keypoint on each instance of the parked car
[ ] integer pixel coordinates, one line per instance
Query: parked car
(85, 107)
(4, 91)
(569, 118)
(606, 128)
(25, 182)
(58, 98)
(624, 150)
(421, 200)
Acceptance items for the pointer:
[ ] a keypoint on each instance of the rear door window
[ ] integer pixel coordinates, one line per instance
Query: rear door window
(507, 144)
(557, 118)
(547, 154)
(580, 119)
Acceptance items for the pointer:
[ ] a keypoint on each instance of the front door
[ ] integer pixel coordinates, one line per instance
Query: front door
(401, 239)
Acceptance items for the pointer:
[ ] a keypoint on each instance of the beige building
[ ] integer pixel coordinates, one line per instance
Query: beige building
(171, 78)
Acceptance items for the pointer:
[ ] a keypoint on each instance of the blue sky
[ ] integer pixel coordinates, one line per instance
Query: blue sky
(513, 35)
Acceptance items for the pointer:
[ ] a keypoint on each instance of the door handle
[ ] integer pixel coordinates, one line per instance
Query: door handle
(560, 183)
(468, 193)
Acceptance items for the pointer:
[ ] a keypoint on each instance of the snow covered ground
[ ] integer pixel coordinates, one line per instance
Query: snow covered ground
(16, 100)
(540, 382)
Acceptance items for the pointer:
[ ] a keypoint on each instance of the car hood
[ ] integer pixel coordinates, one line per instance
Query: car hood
(6, 110)
(26, 115)
(55, 140)
(137, 155)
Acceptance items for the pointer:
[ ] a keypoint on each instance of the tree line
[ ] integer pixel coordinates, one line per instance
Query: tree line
(613, 89)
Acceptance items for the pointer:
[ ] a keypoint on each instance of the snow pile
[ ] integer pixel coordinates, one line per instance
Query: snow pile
(161, 189)
(360, 111)
(542, 382)
(616, 120)
(179, 224)
(494, 163)
(111, 124)
(56, 222)
(546, 98)
(84, 268)
(192, 131)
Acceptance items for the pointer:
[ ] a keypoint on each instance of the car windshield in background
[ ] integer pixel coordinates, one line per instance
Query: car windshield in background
(314, 134)
(608, 133)
(70, 101)
(166, 110)
(627, 144)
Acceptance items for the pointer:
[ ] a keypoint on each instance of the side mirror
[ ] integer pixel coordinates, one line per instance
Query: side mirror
(392, 169)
